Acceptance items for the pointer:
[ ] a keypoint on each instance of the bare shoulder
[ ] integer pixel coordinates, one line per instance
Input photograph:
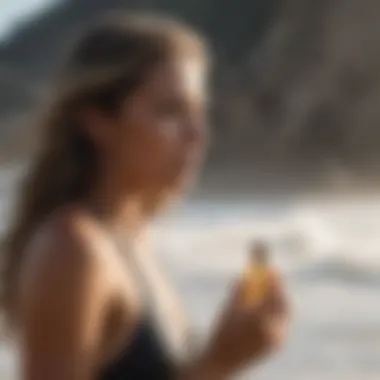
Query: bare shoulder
(65, 298)
(62, 253)
(67, 237)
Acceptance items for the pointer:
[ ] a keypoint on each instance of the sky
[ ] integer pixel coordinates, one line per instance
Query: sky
(12, 11)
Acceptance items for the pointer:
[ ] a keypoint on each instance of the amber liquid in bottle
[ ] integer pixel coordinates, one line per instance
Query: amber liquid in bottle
(256, 280)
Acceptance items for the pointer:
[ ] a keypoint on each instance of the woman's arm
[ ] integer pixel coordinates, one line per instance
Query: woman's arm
(63, 296)
(241, 337)
(238, 338)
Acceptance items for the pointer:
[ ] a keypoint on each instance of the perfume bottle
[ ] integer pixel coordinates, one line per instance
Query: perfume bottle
(257, 277)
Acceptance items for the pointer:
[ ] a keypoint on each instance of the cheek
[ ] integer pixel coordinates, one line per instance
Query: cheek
(162, 144)
(147, 144)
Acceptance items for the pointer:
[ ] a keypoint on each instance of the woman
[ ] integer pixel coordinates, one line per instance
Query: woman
(123, 135)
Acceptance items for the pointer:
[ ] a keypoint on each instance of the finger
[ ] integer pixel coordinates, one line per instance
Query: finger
(277, 328)
(277, 300)
(231, 306)
(276, 283)
(276, 324)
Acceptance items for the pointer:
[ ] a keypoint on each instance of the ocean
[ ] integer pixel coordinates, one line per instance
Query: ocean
(328, 249)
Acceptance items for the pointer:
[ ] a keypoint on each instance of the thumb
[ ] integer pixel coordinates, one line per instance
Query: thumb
(276, 302)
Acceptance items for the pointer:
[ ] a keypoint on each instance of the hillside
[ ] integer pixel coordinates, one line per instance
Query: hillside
(296, 86)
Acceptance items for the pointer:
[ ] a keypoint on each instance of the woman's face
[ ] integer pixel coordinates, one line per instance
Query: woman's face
(159, 135)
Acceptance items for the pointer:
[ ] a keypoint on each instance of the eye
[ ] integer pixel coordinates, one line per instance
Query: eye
(170, 108)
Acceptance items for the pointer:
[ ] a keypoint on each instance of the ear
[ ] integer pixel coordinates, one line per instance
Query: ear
(97, 126)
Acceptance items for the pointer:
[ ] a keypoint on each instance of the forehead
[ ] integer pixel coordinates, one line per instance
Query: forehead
(182, 78)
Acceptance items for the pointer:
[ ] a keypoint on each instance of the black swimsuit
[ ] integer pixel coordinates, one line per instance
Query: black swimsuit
(145, 358)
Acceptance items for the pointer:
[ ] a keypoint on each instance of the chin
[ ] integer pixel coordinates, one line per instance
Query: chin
(179, 184)
(186, 178)
(173, 192)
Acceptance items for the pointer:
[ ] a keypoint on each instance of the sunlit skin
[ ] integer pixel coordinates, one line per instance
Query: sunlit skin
(78, 301)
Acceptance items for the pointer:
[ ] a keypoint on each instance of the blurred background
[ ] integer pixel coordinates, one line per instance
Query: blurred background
(294, 158)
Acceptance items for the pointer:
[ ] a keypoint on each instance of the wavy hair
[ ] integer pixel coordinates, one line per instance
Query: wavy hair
(105, 67)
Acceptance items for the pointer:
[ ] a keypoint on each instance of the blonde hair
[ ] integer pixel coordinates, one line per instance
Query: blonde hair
(106, 66)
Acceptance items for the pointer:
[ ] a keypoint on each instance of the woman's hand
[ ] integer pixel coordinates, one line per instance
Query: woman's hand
(244, 337)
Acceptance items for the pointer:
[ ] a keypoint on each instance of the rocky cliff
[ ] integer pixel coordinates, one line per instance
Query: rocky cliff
(297, 82)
